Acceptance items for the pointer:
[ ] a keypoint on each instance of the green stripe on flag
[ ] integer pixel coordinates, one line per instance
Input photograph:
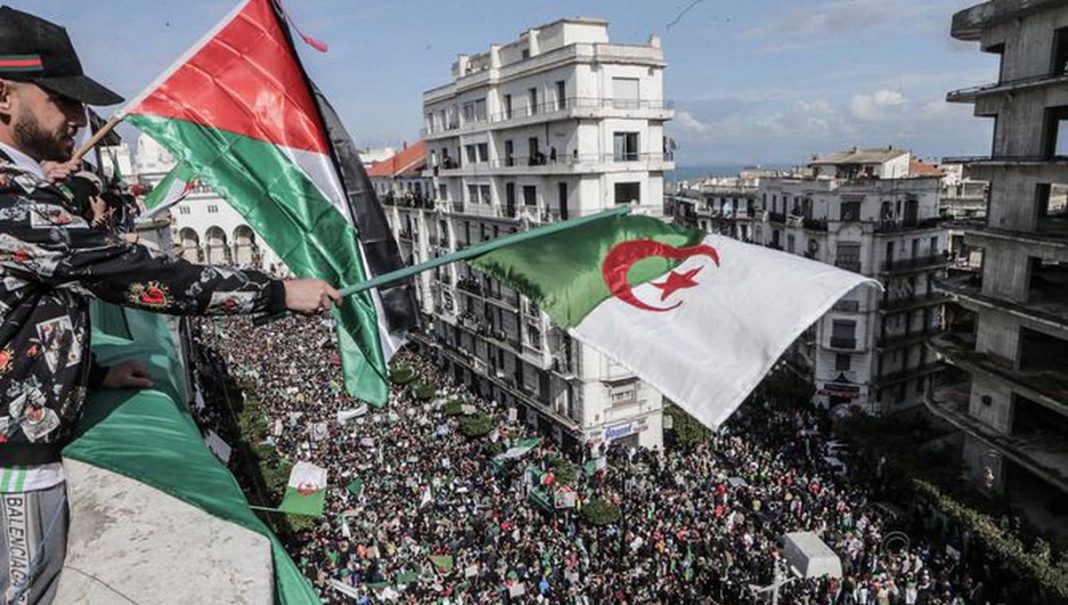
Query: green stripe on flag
(20, 475)
(561, 272)
(285, 208)
(4, 480)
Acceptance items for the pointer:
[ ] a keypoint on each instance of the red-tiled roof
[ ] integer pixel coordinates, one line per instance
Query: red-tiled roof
(409, 161)
(921, 168)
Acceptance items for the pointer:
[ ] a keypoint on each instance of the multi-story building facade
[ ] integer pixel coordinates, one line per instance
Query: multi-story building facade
(860, 210)
(1009, 342)
(556, 124)
(723, 205)
(206, 228)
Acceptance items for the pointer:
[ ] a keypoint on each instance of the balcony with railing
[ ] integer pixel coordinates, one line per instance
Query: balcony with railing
(1006, 160)
(915, 265)
(564, 163)
(915, 301)
(972, 93)
(1048, 386)
(907, 339)
(1047, 299)
(913, 373)
(884, 227)
(474, 289)
(568, 108)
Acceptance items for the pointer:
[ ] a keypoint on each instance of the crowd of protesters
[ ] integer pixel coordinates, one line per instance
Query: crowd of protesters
(437, 520)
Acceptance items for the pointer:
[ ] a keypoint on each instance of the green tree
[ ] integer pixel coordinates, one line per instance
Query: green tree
(600, 512)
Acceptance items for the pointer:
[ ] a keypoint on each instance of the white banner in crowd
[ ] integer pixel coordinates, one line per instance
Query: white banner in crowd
(318, 431)
(220, 448)
(343, 416)
(345, 589)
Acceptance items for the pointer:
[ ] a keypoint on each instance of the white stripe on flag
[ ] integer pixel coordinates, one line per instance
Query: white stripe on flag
(708, 354)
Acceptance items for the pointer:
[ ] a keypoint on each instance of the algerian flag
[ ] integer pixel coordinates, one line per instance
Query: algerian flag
(178, 183)
(355, 487)
(443, 563)
(702, 318)
(240, 110)
(518, 450)
(427, 497)
(306, 490)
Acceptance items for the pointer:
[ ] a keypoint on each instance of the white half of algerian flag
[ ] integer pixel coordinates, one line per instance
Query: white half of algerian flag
(306, 490)
(702, 318)
(174, 187)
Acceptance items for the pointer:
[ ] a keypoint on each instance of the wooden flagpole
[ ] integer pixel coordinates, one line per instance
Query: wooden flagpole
(108, 126)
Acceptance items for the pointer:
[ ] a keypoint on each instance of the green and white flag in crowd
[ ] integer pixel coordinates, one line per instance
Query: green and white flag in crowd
(174, 187)
(519, 449)
(306, 490)
(702, 318)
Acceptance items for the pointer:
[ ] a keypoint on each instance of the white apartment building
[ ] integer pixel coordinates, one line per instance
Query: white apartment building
(205, 227)
(862, 211)
(556, 124)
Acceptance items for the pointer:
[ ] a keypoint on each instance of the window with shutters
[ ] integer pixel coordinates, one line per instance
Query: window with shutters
(625, 93)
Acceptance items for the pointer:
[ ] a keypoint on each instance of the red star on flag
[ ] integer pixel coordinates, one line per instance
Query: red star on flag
(677, 281)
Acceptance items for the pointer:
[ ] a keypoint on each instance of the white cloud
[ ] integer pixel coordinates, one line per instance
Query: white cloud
(688, 121)
(815, 108)
(847, 16)
(875, 106)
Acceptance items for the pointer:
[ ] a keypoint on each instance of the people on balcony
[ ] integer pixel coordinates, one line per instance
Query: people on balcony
(54, 262)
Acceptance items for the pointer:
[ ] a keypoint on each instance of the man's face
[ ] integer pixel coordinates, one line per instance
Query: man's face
(44, 123)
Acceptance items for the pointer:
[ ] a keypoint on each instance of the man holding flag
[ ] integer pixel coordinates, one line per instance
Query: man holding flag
(52, 262)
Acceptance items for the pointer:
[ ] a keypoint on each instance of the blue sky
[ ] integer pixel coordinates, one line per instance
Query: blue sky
(753, 81)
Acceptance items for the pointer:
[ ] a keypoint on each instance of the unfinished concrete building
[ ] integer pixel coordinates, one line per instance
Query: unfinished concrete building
(1008, 348)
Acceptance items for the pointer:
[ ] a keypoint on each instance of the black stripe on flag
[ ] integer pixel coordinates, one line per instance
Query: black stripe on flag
(379, 247)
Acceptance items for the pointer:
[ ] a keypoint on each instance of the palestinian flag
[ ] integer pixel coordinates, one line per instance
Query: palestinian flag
(174, 187)
(240, 110)
(702, 318)
(306, 490)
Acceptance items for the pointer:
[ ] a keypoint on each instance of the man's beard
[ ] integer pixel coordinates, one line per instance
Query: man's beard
(32, 140)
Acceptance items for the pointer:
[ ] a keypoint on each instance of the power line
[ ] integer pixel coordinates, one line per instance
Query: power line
(682, 14)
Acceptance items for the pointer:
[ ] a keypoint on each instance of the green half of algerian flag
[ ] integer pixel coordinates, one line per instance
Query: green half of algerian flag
(443, 563)
(702, 318)
(306, 491)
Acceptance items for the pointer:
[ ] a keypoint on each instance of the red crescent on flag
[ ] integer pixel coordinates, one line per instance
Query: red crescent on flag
(307, 489)
(622, 256)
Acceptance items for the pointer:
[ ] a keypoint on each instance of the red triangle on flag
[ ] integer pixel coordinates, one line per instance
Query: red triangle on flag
(244, 78)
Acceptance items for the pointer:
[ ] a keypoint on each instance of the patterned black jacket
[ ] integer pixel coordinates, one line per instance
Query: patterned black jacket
(51, 263)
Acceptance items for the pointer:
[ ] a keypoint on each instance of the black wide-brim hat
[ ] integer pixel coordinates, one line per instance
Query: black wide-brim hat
(38, 51)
